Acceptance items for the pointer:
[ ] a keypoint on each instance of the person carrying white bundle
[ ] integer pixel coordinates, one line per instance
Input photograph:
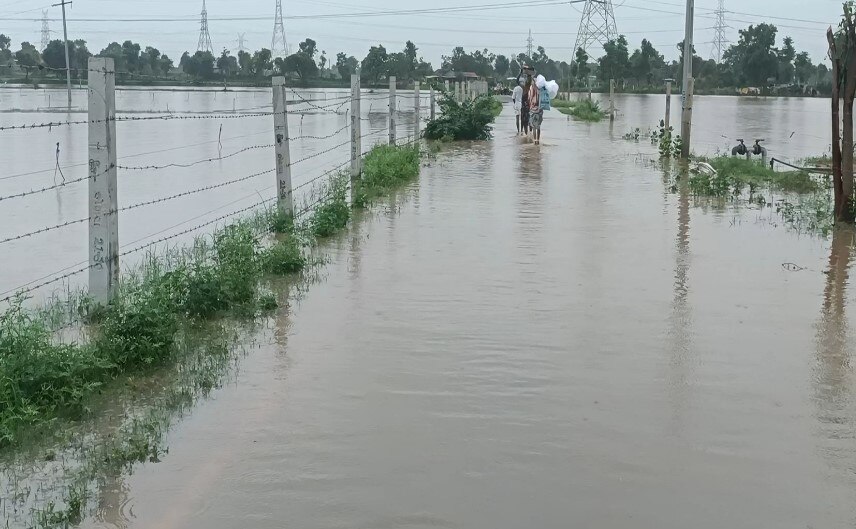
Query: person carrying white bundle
(539, 101)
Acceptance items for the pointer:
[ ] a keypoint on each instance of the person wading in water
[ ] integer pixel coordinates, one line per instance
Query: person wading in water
(536, 114)
(526, 77)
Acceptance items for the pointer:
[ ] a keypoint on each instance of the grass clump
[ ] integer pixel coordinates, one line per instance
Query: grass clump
(40, 378)
(284, 257)
(385, 168)
(333, 214)
(583, 110)
(735, 175)
(470, 120)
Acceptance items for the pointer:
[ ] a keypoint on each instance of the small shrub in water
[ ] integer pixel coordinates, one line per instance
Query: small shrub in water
(237, 262)
(385, 168)
(469, 120)
(138, 330)
(280, 222)
(284, 257)
(332, 215)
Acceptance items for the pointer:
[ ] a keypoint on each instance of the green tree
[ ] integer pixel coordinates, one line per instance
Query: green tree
(374, 66)
(787, 55)
(346, 65)
(245, 62)
(581, 67)
(309, 47)
(645, 61)
(804, 70)
(5, 51)
(131, 53)
(300, 63)
(322, 62)
(501, 66)
(753, 58)
(615, 63)
(78, 55)
(227, 64)
(262, 62)
(115, 51)
(199, 65)
(28, 57)
(479, 62)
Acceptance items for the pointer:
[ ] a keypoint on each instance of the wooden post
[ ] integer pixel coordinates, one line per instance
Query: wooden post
(668, 120)
(687, 119)
(433, 104)
(612, 99)
(392, 101)
(103, 199)
(282, 150)
(356, 140)
(417, 126)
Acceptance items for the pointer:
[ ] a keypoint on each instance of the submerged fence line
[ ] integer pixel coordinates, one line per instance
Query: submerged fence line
(103, 263)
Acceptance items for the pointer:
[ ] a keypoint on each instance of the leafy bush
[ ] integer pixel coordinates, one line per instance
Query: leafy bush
(333, 214)
(734, 175)
(284, 257)
(583, 110)
(138, 329)
(385, 168)
(39, 377)
(469, 120)
(237, 262)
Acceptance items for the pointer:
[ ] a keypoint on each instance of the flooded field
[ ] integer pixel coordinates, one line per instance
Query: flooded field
(526, 337)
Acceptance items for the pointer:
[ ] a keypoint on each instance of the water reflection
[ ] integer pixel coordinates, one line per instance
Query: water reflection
(680, 320)
(832, 377)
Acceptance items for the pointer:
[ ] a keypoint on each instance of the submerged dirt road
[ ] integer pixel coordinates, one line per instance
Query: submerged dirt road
(539, 338)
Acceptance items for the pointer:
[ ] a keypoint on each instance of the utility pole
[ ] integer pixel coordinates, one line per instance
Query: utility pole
(687, 98)
(65, 36)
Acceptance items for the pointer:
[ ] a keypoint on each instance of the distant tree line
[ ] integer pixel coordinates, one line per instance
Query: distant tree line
(754, 61)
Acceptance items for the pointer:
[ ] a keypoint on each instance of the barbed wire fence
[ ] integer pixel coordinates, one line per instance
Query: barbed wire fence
(109, 177)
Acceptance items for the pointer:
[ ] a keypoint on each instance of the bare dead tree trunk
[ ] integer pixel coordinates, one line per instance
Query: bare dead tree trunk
(846, 211)
(836, 128)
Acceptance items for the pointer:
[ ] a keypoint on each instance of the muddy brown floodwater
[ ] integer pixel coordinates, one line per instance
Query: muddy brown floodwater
(542, 338)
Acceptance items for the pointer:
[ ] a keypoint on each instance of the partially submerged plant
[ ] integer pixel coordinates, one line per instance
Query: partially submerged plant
(470, 120)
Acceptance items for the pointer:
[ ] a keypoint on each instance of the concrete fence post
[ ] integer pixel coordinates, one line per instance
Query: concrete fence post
(417, 126)
(392, 101)
(612, 99)
(687, 119)
(668, 119)
(282, 150)
(356, 140)
(433, 103)
(103, 198)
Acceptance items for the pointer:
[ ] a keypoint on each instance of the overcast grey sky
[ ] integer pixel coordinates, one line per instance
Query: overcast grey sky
(500, 30)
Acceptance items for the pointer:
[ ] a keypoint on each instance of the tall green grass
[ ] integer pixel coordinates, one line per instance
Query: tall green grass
(385, 168)
(735, 175)
(43, 379)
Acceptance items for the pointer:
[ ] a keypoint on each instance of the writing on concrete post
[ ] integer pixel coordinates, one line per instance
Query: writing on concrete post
(103, 196)
(282, 149)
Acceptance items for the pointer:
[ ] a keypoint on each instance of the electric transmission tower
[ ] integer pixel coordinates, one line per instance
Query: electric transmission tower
(719, 39)
(204, 36)
(278, 44)
(241, 42)
(46, 30)
(597, 25)
(529, 42)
